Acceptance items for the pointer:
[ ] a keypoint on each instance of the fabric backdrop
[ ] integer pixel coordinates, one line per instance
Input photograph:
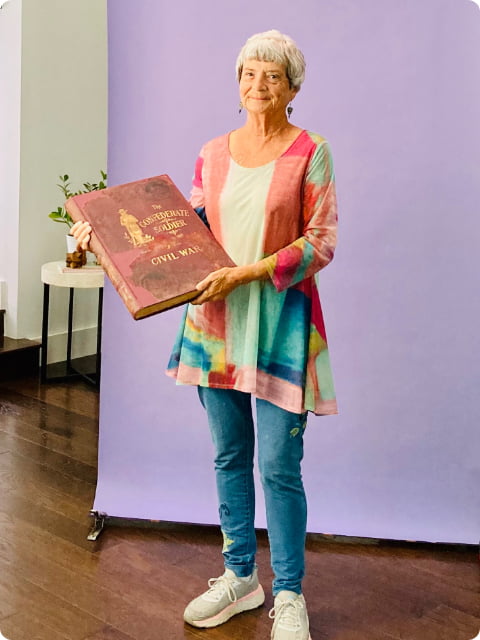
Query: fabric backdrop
(394, 87)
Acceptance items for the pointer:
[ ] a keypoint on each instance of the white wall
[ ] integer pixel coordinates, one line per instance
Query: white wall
(63, 129)
(10, 86)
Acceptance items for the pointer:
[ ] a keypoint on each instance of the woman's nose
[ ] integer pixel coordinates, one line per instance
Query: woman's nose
(259, 82)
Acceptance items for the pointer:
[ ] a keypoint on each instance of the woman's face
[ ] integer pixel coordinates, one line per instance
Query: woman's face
(264, 87)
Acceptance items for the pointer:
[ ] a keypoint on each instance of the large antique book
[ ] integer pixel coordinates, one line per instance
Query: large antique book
(151, 243)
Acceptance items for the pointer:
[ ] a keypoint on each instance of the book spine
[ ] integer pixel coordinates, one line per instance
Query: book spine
(96, 247)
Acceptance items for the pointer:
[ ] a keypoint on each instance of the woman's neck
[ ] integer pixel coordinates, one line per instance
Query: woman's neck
(264, 127)
(253, 145)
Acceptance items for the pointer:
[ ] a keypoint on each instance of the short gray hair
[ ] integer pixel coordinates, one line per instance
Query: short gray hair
(273, 46)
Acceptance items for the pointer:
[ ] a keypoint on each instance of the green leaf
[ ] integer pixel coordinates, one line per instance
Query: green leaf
(56, 218)
(61, 215)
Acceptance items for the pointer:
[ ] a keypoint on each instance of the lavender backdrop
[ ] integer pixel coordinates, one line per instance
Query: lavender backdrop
(394, 87)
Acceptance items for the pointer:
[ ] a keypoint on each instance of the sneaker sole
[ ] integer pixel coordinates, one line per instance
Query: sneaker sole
(250, 601)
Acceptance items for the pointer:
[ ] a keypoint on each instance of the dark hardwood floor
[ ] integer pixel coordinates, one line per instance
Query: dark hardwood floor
(133, 583)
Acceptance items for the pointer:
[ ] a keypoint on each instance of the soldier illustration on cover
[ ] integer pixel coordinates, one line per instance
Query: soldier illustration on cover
(130, 222)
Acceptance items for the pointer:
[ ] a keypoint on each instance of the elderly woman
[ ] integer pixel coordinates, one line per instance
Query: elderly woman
(267, 192)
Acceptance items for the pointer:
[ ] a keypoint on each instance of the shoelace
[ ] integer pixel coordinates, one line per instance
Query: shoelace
(286, 615)
(219, 586)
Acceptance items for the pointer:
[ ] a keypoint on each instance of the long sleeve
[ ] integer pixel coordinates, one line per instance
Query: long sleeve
(315, 249)
(197, 199)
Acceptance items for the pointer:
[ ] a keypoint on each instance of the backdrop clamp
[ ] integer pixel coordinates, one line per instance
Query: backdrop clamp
(98, 524)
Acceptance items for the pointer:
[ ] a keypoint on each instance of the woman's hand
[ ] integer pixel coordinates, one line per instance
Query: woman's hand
(218, 284)
(82, 232)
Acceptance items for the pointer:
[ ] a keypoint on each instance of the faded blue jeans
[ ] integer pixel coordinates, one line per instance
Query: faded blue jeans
(280, 451)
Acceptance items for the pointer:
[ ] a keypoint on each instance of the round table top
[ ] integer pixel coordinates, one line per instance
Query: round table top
(87, 277)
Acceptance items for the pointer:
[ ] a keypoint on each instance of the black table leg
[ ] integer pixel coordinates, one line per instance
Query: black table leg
(70, 330)
(46, 303)
(99, 335)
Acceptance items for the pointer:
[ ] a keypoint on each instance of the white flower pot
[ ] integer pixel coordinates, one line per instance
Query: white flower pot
(71, 244)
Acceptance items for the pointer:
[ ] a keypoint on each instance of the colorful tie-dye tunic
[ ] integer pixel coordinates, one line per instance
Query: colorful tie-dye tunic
(267, 337)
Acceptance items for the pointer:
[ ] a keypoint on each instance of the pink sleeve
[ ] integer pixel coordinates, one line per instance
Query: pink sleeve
(196, 194)
(314, 250)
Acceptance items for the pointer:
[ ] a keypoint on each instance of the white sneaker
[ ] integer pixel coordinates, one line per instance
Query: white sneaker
(290, 619)
(227, 596)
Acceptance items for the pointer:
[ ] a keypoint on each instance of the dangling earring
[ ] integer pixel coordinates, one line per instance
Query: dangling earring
(240, 107)
(289, 110)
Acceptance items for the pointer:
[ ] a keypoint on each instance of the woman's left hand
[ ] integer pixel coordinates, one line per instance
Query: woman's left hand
(218, 284)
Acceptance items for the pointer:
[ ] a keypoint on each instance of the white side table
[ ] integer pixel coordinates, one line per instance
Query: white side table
(53, 274)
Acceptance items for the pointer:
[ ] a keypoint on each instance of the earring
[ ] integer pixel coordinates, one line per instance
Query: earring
(289, 110)
(240, 107)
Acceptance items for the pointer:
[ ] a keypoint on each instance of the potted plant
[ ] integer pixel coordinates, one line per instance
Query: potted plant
(74, 257)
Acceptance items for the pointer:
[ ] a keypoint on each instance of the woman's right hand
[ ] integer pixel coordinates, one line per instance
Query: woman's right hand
(82, 232)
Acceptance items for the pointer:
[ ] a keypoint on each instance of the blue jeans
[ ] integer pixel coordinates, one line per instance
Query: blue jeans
(280, 451)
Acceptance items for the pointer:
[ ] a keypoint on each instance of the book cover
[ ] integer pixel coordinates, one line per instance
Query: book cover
(150, 242)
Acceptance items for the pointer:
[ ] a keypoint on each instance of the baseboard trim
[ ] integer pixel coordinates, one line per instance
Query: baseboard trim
(84, 343)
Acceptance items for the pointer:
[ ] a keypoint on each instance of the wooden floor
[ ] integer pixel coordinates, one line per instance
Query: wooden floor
(133, 583)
